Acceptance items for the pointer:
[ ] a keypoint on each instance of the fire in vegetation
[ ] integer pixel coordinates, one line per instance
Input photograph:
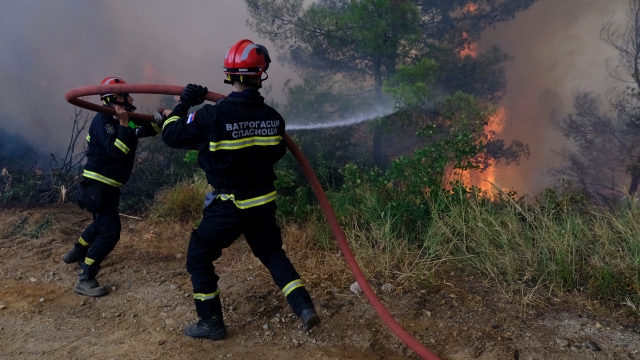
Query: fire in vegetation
(470, 8)
(469, 47)
(483, 179)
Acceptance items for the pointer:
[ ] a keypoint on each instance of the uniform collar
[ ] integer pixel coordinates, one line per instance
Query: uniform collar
(250, 94)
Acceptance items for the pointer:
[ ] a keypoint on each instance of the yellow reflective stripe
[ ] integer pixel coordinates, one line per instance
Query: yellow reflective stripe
(292, 286)
(170, 120)
(260, 200)
(88, 138)
(203, 297)
(157, 128)
(89, 261)
(104, 179)
(248, 203)
(82, 242)
(225, 197)
(122, 146)
(246, 142)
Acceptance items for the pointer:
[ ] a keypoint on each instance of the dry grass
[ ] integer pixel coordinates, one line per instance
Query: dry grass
(531, 253)
(181, 203)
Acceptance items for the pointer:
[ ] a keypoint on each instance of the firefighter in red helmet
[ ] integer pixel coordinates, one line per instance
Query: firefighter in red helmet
(238, 141)
(111, 148)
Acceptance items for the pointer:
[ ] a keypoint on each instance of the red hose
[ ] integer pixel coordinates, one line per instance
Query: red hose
(73, 95)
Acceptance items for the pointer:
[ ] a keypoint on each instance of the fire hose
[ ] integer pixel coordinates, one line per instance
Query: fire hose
(74, 96)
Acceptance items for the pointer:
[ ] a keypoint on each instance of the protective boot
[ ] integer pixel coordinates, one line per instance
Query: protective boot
(87, 284)
(309, 318)
(76, 254)
(211, 325)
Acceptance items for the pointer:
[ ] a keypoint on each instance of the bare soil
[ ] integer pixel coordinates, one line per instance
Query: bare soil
(150, 303)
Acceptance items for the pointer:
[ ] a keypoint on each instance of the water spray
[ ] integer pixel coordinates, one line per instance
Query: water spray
(74, 96)
(357, 119)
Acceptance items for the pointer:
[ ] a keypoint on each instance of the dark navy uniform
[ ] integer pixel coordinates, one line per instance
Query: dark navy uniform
(110, 155)
(238, 140)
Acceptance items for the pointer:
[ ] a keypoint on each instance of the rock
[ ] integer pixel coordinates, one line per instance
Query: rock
(32, 279)
(428, 313)
(355, 288)
(598, 326)
(160, 341)
(113, 288)
(265, 326)
(178, 256)
(592, 345)
(3, 307)
(388, 287)
(41, 299)
(117, 315)
(577, 346)
(562, 342)
(173, 287)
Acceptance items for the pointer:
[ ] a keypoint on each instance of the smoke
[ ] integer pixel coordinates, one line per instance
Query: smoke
(52, 46)
(556, 48)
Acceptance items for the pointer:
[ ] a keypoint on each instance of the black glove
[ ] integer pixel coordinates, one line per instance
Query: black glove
(193, 95)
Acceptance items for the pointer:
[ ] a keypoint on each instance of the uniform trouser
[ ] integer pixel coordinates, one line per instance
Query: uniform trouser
(221, 225)
(103, 233)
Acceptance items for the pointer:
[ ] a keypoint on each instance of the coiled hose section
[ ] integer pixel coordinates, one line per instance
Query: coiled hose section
(74, 96)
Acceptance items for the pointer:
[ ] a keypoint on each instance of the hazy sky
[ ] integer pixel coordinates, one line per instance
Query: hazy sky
(49, 47)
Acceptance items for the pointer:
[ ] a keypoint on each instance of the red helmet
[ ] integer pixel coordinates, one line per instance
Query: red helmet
(111, 80)
(246, 58)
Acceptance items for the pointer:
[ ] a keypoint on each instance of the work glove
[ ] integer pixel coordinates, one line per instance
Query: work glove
(193, 95)
(158, 119)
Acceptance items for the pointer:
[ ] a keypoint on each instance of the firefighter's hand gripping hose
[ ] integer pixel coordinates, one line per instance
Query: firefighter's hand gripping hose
(74, 96)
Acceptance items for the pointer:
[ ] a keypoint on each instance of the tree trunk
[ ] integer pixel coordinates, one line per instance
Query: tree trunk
(635, 177)
(377, 129)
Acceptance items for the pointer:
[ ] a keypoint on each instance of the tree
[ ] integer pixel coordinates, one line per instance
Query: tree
(365, 41)
(606, 133)
(440, 19)
(361, 40)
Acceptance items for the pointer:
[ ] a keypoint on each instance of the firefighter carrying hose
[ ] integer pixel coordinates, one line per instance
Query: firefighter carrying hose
(238, 140)
(111, 148)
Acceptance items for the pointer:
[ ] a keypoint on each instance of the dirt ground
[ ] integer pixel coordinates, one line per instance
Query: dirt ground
(149, 304)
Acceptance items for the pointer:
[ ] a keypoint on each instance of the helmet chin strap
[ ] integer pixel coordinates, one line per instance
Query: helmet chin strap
(126, 105)
(109, 100)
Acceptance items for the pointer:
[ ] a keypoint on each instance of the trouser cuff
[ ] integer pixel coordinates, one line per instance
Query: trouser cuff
(210, 308)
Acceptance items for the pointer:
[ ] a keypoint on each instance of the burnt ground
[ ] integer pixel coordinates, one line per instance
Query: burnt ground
(149, 304)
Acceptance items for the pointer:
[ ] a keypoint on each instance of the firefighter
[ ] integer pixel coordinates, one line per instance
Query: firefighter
(238, 141)
(111, 148)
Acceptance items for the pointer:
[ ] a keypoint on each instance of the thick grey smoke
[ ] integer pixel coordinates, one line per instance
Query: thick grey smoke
(556, 48)
(49, 47)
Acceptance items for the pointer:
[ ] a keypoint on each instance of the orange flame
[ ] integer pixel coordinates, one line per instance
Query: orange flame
(469, 47)
(152, 75)
(470, 8)
(483, 180)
